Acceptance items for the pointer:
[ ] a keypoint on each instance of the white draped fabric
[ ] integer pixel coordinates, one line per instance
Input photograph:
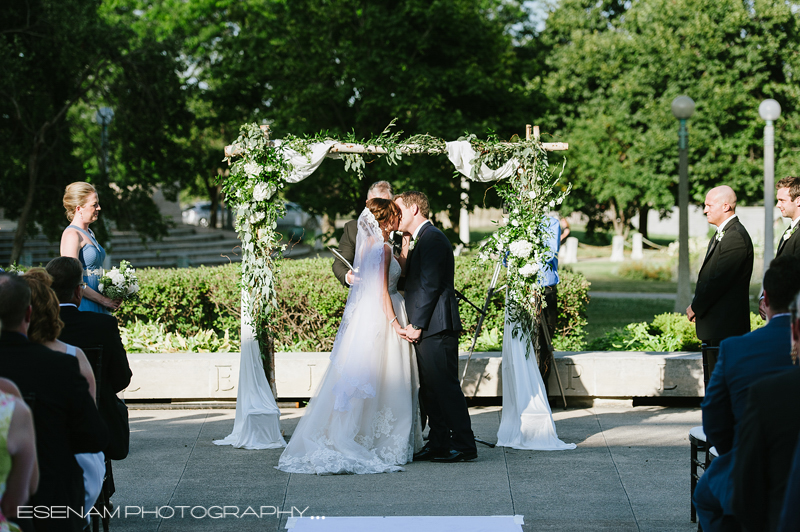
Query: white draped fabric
(461, 154)
(526, 422)
(305, 165)
(258, 419)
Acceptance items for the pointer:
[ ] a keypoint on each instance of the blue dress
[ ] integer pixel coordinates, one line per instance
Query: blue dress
(92, 256)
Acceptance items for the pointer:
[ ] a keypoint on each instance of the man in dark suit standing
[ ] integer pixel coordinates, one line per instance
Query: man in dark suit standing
(433, 327)
(347, 245)
(65, 417)
(788, 196)
(721, 304)
(91, 329)
(742, 361)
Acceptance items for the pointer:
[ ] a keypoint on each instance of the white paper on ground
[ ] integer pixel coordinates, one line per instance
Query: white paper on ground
(483, 523)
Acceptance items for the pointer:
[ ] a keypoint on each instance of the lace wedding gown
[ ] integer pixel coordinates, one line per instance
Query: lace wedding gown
(364, 416)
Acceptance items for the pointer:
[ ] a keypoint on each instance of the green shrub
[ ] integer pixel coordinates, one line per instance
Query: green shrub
(642, 271)
(153, 337)
(193, 302)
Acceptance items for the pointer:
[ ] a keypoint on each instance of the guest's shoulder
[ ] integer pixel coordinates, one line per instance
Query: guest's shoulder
(787, 380)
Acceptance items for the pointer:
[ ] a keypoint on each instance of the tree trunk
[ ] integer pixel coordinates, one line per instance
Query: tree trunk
(643, 212)
(33, 177)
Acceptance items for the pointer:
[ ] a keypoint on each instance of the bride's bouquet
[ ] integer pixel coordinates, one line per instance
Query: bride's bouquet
(119, 283)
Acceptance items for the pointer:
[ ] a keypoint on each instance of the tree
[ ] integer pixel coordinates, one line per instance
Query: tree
(60, 62)
(613, 70)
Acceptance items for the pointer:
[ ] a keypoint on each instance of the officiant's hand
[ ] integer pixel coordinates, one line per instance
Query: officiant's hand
(413, 335)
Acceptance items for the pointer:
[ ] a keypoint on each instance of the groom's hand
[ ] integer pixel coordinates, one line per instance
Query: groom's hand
(413, 335)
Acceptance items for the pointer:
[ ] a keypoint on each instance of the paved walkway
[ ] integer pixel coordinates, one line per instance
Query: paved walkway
(632, 295)
(630, 472)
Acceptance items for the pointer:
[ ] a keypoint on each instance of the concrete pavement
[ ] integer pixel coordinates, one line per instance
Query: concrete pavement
(630, 472)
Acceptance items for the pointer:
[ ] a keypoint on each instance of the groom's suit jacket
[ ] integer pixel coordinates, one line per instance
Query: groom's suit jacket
(429, 292)
(790, 246)
(742, 361)
(722, 297)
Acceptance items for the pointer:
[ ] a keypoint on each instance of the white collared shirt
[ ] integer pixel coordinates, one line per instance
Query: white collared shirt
(723, 224)
(68, 305)
(416, 231)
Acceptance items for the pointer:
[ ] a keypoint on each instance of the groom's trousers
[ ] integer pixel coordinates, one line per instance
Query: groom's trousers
(445, 405)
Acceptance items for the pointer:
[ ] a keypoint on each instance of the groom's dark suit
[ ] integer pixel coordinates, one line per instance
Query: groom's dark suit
(790, 246)
(722, 297)
(431, 304)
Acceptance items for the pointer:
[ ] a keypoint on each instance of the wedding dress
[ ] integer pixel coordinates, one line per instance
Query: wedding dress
(364, 417)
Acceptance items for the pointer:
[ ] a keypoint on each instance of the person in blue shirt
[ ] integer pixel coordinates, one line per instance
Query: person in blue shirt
(548, 277)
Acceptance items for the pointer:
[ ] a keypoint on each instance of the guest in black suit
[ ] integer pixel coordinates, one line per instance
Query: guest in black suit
(86, 329)
(790, 515)
(65, 417)
(721, 304)
(789, 204)
(434, 326)
(347, 245)
(742, 361)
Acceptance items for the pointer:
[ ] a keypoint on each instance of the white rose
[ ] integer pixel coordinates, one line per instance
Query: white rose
(528, 270)
(552, 204)
(521, 249)
(252, 169)
(262, 191)
(532, 194)
(515, 223)
(100, 287)
(256, 217)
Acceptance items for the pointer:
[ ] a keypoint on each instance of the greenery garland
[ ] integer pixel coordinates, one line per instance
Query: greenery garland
(260, 168)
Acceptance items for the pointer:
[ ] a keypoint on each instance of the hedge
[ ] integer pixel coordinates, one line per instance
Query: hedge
(311, 303)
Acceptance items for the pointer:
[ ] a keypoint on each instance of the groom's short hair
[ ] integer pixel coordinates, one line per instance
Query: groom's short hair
(413, 197)
(380, 189)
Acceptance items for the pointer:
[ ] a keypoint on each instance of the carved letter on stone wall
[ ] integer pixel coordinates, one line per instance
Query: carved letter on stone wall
(311, 376)
(224, 382)
(573, 372)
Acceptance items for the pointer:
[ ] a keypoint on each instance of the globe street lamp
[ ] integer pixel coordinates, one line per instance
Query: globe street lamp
(683, 109)
(769, 110)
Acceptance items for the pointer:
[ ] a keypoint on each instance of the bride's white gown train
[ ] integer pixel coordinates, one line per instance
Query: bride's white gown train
(364, 416)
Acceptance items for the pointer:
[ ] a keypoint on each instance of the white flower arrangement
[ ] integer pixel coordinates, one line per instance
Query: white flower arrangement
(521, 249)
(119, 283)
(252, 169)
(529, 270)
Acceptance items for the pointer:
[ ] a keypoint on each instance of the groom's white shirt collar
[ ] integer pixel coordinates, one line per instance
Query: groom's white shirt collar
(416, 231)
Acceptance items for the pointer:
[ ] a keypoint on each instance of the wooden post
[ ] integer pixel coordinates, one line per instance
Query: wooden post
(527, 132)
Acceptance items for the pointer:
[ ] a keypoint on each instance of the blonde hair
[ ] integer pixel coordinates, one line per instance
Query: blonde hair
(75, 196)
(45, 324)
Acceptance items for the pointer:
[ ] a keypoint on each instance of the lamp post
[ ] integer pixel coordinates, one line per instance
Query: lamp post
(103, 117)
(769, 110)
(683, 109)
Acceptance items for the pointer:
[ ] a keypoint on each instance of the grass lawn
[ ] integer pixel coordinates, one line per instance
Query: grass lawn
(604, 314)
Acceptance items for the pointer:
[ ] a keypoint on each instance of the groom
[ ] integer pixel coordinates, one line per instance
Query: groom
(433, 327)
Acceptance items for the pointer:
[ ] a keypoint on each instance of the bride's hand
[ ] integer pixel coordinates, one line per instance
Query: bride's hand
(400, 331)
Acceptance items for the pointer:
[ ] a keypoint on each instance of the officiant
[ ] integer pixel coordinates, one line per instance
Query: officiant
(347, 245)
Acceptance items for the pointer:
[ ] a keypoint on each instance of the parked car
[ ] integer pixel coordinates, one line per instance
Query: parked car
(296, 220)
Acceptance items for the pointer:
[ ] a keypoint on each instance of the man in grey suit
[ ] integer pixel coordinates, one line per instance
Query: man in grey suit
(347, 245)
(742, 361)
(721, 305)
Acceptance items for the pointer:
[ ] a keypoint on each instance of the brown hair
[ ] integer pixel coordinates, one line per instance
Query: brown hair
(412, 197)
(15, 298)
(67, 274)
(792, 183)
(384, 210)
(75, 195)
(45, 323)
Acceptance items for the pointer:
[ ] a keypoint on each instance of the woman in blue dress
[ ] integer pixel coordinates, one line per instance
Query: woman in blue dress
(78, 241)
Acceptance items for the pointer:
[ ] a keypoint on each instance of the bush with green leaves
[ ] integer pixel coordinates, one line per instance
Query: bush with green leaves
(645, 271)
(191, 302)
(667, 332)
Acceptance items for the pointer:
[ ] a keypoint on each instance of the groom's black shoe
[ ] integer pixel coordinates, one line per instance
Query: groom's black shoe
(457, 456)
(426, 454)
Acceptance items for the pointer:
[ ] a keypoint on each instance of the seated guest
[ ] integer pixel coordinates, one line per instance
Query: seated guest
(66, 421)
(767, 439)
(90, 329)
(790, 515)
(742, 361)
(44, 329)
(19, 471)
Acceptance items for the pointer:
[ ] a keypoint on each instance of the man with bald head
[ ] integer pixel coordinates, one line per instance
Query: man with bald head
(721, 304)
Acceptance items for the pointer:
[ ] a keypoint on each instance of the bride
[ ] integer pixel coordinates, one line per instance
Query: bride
(364, 416)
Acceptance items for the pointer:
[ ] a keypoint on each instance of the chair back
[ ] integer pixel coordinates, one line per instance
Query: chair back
(95, 356)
